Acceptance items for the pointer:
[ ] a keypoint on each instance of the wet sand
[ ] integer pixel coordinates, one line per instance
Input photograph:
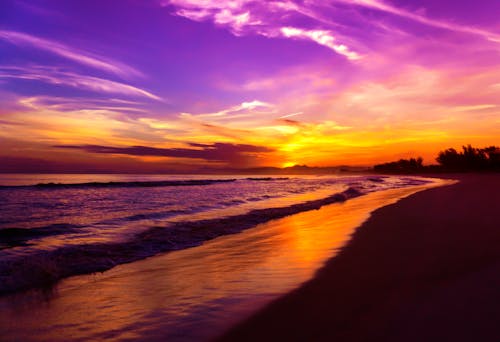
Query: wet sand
(424, 269)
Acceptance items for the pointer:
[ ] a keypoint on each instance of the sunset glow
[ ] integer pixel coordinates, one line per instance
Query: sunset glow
(153, 86)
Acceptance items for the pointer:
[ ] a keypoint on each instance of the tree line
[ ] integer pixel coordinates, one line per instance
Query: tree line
(449, 160)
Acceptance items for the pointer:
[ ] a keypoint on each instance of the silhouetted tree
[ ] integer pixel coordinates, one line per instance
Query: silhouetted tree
(470, 159)
(450, 160)
(493, 154)
(411, 165)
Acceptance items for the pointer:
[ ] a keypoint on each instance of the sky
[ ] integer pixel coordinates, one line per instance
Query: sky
(157, 85)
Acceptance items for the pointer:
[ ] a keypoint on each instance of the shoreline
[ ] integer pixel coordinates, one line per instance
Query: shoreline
(42, 269)
(423, 269)
(174, 296)
(45, 268)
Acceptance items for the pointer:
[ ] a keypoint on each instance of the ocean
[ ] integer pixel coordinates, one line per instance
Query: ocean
(56, 226)
(50, 212)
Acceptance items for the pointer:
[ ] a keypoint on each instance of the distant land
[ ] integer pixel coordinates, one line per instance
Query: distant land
(292, 170)
(265, 170)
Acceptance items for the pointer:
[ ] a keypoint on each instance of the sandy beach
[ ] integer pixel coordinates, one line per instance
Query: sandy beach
(424, 269)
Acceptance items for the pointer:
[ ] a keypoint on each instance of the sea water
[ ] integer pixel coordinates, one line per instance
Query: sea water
(189, 294)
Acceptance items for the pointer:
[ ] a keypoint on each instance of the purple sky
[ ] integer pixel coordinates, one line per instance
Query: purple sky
(263, 82)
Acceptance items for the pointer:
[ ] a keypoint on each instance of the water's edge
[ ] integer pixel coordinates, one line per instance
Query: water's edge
(437, 182)
(196, 294)
(43, 269)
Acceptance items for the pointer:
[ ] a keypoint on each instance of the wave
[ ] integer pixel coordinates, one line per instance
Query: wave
(14, 237)
(137, 184)
(44, 268)
(376, 179)
(267, 178)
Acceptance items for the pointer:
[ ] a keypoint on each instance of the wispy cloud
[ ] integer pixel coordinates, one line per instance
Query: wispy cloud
(242, 110)
(64, 104)
(67, 78)
(71, 53)
(267, 19)
(384, 7)
(290, 115)
(338, 24)
(475, 107)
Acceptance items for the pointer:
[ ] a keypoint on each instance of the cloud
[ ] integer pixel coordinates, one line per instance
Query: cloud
(384, 7)
(291, 82)
(52, 120)
(244, 109)
(306, 128)
(421, 103)
(475, 107)
(343, 26)
(81, 121)
(64, 104)
(290, 115)
(321, 37)
(230, 14)
(217, 152)
(231, 133)
(66, 78)
(76, 55)
(265, 18)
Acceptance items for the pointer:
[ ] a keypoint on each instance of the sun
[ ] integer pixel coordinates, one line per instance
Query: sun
(288, 164)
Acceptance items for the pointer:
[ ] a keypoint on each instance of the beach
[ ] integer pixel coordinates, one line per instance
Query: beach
(410, 263)
(426, 268)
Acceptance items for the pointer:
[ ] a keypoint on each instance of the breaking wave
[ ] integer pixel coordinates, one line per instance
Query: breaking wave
(46, 267)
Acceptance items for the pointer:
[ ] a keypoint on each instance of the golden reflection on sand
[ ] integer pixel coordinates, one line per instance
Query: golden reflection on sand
(193, 293)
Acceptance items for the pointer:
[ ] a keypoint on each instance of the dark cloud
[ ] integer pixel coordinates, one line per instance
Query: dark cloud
(291, 122)
(218, 152)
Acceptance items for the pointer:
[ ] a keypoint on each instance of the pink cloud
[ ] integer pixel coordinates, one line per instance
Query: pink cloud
(328, 24)
(257, 17)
